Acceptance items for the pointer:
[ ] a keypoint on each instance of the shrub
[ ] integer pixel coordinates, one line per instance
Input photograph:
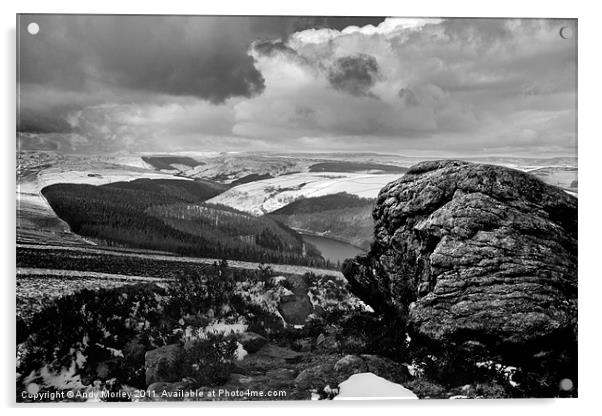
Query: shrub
(195, 293)
(209, 361)
(96, 325)
(424, 389)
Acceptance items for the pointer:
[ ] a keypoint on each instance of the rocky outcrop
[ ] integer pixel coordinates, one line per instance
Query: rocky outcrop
(474, 255)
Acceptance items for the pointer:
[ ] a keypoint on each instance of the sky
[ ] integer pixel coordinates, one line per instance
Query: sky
(417, 86)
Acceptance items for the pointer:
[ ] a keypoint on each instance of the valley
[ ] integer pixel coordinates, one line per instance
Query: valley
(141, 251)
(296, 212)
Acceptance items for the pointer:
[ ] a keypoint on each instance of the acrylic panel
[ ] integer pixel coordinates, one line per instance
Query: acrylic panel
(295, 208)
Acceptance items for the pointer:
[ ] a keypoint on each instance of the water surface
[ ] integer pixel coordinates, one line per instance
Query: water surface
(331, 249)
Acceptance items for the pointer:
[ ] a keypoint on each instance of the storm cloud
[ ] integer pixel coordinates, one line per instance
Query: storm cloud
(110, 83)
(354, 74)
(198, 56)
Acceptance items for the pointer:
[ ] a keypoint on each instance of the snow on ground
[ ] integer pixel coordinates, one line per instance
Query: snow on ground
(256, 293)
(35, 288)
(220, 327)
(133, 161)
(240, 352)
(276, 280)
(64, 379)
(33, 209)
(98, 177)
(326, 294)
(192, 154)
(369, 386)
(268, 195)
(29, 192)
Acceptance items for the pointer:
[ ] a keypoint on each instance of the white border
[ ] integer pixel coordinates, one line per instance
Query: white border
(590, 114)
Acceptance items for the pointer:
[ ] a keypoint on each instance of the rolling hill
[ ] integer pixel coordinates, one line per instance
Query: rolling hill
(170, 215)
(168, 162)
(341, 216)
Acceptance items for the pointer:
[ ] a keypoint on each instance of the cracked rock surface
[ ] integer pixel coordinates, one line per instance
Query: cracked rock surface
(472, 253)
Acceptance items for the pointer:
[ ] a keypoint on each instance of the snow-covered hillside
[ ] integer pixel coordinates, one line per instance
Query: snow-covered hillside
(268, 195)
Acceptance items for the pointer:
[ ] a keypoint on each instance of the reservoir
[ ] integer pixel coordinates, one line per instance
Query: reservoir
(331, 249)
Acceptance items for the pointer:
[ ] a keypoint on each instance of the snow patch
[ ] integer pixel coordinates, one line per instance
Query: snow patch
(276, 280)
(255, 293)
(370, 386)
(240, 352)
(65, 379)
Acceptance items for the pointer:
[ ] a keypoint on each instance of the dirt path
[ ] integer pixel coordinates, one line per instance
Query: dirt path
(295, 309)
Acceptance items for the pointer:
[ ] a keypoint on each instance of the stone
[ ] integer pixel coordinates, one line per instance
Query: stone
(350, 364)
(251, 341)
(475, 255)
(317, 377)
(163, 364)
(269, 357)
(303, 345)
(279, 353)
(386, 368)
(327, 340)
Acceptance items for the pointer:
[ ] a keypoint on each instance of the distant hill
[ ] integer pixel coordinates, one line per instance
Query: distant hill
(341, 216)
(251, 178)
(166, 162)
(343, 166)
(339, 200)
(184, 190)
(170, 215)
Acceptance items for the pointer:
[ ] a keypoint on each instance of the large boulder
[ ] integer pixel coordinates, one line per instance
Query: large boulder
(474, 255)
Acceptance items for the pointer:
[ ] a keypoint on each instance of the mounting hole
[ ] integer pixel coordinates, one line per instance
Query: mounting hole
(566, 32)
(33, 28)
(566, 384)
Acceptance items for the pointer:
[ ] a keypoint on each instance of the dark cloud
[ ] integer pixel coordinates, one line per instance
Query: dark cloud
(272, 47)
(408, 97)
(204, 56)
(200, 56)
(37, 142)
(91, 55)
(332, 22)
(49, 122)
(354, 74)
(106, 83)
